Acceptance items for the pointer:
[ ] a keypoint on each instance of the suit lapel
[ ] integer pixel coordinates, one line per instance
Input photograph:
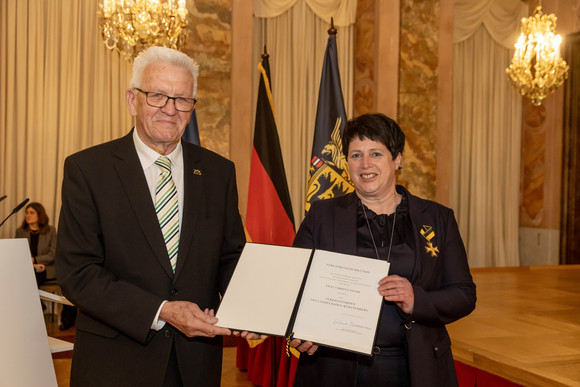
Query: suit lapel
(344, 222)
(193, 183)
(133, 180)
(423, 262)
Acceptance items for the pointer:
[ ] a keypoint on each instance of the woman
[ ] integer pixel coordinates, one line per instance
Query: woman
(41, 239)
(428, 286)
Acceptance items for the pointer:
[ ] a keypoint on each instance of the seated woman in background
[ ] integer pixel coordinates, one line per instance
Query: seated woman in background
(42, 241)
(429, 284)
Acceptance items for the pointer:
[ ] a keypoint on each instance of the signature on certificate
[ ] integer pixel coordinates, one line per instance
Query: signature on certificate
(350, 324)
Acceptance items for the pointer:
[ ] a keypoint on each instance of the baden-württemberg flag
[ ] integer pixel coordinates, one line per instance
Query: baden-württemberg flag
(191, 133)
(328, 171)
(269, 217)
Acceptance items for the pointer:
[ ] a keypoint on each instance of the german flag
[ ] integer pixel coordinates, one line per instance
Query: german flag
(269, 217)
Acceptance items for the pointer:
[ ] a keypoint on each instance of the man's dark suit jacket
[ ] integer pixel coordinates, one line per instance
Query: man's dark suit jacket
(113, 264)
(443, 289)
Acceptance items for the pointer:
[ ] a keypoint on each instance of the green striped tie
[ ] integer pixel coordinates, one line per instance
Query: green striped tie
(167, 208)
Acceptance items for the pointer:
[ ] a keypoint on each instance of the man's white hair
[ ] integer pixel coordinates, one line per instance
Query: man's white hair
(163, 55)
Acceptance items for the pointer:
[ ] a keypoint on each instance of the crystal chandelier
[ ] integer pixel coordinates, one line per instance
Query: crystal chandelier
(130, 26)
(537, 69)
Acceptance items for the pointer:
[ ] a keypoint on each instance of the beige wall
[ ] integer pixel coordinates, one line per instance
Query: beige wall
(241, 136)
(541, 176)
(209, 41)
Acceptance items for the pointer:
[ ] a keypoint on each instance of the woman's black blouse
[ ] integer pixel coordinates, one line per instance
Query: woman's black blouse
(402, 258)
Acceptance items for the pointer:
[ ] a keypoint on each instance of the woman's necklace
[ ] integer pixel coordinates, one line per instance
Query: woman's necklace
(372, 237)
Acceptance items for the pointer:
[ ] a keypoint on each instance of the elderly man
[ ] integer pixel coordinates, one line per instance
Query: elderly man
(149, 236)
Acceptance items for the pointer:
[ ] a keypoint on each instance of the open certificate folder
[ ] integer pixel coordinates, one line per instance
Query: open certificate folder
(328, 298)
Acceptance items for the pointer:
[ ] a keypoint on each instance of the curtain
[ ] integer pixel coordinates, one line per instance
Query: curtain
(296, 39)
(343, 11)
(487, 114)
(501, 19)
(61, 91)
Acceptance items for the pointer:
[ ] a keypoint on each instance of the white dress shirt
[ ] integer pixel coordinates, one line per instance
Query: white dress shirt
(147, 157)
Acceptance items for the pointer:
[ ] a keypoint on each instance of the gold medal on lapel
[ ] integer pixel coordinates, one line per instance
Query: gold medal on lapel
(428, 233)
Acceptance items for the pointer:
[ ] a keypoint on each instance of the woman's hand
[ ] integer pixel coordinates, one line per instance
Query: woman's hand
(249, 335)
(398, 290)
(306, 346)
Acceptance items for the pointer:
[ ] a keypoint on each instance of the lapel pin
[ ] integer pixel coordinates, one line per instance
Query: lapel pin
(197, 172)
(428, 233)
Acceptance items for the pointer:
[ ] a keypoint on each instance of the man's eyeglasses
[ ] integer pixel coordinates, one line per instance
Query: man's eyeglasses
(159, 100)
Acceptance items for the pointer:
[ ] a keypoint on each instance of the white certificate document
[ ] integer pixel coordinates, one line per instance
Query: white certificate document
(340, 305)
(264, 288)
(333, 302)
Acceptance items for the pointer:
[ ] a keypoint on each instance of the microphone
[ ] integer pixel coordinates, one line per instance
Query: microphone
(15, 210)
(3, 197)
(19, 207)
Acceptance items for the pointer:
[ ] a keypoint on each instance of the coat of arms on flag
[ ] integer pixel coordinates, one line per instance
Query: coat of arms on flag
(328, 172)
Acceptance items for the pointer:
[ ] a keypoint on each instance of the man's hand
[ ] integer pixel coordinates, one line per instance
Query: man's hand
(191, 320)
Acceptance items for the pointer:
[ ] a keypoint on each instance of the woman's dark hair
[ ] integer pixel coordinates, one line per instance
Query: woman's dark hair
(42, 217)
(375, 127)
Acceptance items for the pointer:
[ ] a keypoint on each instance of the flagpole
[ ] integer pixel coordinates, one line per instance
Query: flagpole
(332, 30)
(273, 349)
(265, 53)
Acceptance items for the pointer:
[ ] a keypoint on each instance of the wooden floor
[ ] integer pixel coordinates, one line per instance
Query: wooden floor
(526, 325)
(525, 328)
